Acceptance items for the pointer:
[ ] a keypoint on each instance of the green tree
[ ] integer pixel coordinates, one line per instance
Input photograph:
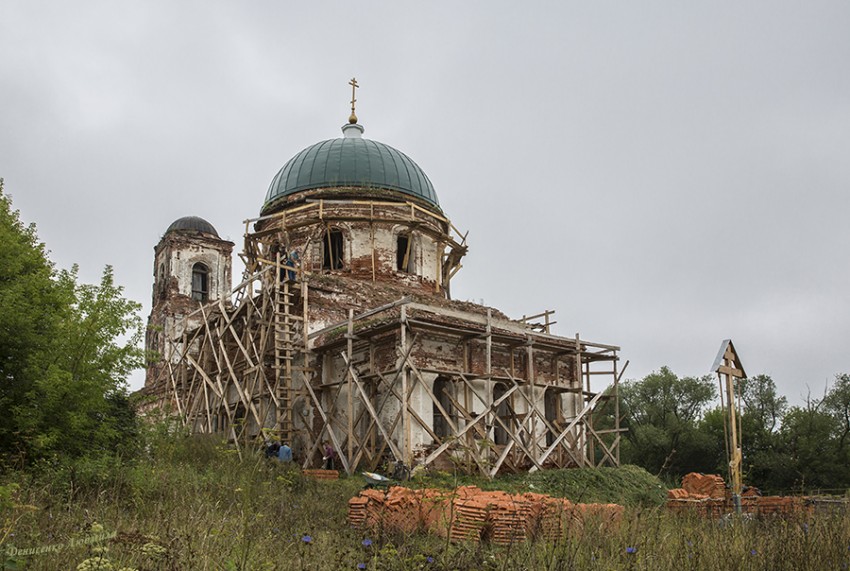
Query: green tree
(661, 413)
(65, 352)
(31, 313)
(765, 458)
(837, 403)
(808, 438)
(96, 350)
(762, 403)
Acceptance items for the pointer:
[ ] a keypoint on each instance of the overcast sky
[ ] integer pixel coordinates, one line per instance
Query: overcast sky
(662, 174)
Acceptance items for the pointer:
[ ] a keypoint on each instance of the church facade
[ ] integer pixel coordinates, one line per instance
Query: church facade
(342, 331)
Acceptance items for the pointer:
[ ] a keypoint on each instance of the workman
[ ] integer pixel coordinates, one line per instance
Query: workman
(284, 453)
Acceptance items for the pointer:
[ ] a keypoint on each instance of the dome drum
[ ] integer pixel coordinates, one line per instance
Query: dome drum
(369, 235)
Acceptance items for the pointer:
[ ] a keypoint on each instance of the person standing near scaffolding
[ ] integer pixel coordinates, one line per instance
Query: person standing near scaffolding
(291, 262)
(329, 457)
(275, 250)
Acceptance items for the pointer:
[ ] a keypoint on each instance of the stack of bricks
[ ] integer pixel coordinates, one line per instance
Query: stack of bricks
(708, 496)
(554, 517)
(358, 511)
(322, 474)
(471, 514)
(468, 520)
(704, 486)
(773, 505)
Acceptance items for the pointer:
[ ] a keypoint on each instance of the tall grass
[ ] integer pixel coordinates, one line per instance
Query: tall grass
(193, 504)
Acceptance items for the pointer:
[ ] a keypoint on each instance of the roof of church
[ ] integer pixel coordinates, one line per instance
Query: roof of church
(351, 161)
(192, 224)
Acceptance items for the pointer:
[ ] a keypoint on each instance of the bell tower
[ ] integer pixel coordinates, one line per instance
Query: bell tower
(192, 267)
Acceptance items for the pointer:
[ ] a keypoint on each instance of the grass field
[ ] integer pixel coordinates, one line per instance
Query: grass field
(192, 504)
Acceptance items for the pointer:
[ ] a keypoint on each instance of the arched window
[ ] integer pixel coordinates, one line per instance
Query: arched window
(404, 253)
(200, 282)
(441, 424)
(332, 249)
(503, 411)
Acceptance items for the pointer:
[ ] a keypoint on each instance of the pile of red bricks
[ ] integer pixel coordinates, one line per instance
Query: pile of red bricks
(471, 514)
(700, 487)
(322, 474)
(707, 495)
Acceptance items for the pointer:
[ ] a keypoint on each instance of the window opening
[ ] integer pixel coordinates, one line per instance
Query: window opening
(161, 281)
(332, 256)
(404, 253)
(552, 412)
(441, 423)
(200, 282)
(503, 411)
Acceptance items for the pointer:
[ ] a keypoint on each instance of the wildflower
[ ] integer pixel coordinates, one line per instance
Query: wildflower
(366, 542)
(307, 539)
(631, 550)
(753, 551)
(429, 559)
(153, 550)
(361, 566)
(95, 564)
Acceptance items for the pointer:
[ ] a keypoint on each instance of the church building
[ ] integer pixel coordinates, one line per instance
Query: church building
(342, 331)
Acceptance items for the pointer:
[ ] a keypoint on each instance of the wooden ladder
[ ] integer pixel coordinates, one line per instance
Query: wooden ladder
(288, 334)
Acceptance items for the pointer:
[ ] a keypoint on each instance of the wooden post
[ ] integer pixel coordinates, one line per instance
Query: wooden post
(735, 449)
(579, 395)
(372, 238)
(439, 258)
(350, 413)
(405, 389)
(467, 399)
(489, 344)
(616, 406)
(529, 348)
(728, 363)
(369, 439)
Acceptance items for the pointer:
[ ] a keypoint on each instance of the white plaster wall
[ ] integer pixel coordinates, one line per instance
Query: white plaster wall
(421, 403)
(183, 260)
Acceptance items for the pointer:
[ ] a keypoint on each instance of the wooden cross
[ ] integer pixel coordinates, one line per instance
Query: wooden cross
(353, 84)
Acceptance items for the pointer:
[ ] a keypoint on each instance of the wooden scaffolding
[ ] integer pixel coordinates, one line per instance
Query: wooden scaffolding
(366, 434)
(252, 367)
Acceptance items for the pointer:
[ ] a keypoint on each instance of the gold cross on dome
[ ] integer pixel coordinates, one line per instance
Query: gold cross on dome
(353, 83)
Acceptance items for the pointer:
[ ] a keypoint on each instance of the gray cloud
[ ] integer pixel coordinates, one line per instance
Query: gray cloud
(663, 174)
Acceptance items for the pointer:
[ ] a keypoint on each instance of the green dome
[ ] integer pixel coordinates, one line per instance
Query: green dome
(351, 161)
